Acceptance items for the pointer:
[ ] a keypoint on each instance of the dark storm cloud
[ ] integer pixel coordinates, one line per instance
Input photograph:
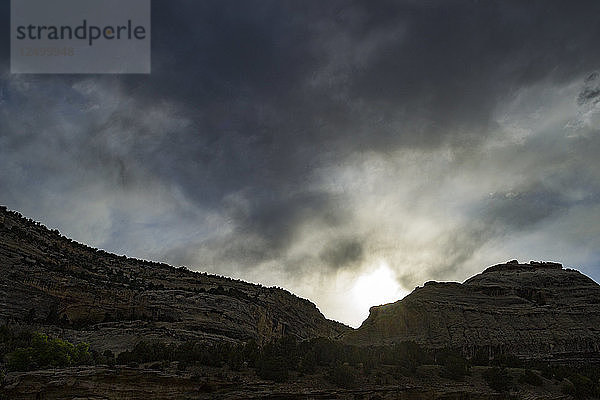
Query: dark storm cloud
(455, 247)
(591, 91)
(277, 218)
(342, 253)
(282, 86)
(435, 77)
(523, 210)
(262, 229)
(319, 137)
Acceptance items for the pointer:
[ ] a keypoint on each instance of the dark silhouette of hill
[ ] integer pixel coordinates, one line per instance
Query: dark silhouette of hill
(513, 331)
(85, 294)
(534, 311)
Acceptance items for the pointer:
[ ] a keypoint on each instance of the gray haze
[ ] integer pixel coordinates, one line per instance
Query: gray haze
(329, 147)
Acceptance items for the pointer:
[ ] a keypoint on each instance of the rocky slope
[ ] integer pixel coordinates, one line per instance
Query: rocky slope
(535, 310)
(104, 383)
(82, 294)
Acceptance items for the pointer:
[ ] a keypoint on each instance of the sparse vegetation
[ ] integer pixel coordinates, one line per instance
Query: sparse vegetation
(11, 339)
(498, 379)
(42, 352)
(284, 359)
(531, 378)
(581, 387)
(456, 367)
(274, 368)
(343, 375)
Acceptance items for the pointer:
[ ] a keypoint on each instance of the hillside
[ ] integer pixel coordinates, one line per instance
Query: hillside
(79, 293)
(537, 310)
(174, 333)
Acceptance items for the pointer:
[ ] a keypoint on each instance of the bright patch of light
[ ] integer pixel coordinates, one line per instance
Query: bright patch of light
(375, 287)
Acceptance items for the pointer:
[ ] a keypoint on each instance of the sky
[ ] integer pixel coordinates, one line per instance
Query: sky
(347, 151)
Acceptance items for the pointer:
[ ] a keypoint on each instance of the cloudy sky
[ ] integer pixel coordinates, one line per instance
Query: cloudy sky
(345, 150)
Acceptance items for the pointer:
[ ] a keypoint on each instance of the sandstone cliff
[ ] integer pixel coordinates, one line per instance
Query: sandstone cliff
(535, 310)
(82, 294)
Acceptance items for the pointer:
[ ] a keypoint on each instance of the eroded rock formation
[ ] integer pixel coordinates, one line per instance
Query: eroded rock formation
(535, 310)
(82, 294)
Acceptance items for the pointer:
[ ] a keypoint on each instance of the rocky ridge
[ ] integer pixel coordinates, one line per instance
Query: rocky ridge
(51, 284)
(76, 292)
(534, 311)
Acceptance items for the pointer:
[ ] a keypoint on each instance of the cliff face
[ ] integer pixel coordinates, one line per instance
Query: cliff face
(536, 310)
(83, 294)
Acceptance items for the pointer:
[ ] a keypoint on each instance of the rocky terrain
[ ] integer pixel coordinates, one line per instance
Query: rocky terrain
(75, 292)
(103, 383)
(537, 310)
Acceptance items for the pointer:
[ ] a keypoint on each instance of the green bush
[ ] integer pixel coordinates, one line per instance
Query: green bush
(45, 352)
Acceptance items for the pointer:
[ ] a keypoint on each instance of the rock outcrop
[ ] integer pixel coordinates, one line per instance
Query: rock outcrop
(83, 294)
(537, 310)
(104, 383)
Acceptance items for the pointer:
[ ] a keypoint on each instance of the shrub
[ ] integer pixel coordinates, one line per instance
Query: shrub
(498, 379)
(530, 378)
(251, 352)
(273, 368)
(20, 360)
(235, 359)
(13, 338)
(81, 355)
(568, 388)
(343, 375)
(547, 372)
(308, 364)
(45, 352)
(145, 351)
(582, 387)
(507, 360)
(108, 357)
(455, 366)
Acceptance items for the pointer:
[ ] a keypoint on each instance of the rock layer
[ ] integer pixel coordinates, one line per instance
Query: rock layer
(104, 383)
(535, 310)
(83, 294)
